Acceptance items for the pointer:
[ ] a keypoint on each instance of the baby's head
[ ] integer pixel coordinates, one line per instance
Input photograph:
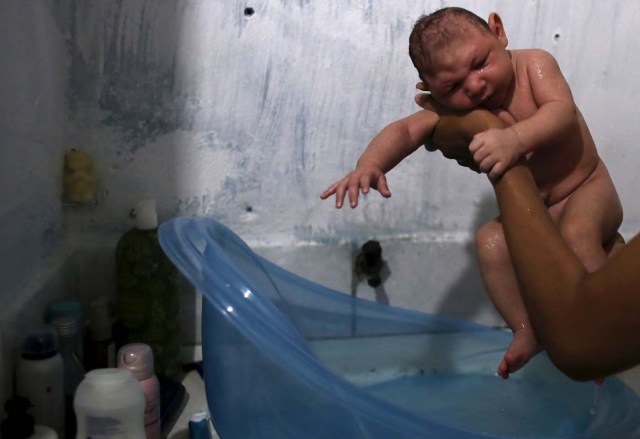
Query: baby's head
(437, 31)
(462, 59)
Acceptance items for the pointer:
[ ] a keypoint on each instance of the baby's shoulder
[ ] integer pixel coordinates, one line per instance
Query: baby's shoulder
(532, 55)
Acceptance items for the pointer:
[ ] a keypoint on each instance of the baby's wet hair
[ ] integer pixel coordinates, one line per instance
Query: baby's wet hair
(437, 30)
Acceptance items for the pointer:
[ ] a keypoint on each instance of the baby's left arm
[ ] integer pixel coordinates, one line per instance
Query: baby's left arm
(556, 113)
(497, 150)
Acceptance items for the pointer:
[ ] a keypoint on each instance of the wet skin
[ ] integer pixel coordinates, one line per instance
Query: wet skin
(455, 130)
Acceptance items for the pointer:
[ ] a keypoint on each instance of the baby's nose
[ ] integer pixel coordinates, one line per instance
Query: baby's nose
(475, 86)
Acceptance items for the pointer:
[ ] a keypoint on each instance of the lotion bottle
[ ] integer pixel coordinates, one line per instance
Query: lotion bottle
(109, 404)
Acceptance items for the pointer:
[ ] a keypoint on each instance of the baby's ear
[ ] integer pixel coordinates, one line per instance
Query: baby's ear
(497, 28)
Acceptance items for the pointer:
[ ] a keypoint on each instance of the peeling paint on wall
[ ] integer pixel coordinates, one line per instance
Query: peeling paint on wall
(212, 106)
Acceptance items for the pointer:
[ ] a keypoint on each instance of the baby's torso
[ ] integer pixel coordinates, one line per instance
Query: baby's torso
(562, 166)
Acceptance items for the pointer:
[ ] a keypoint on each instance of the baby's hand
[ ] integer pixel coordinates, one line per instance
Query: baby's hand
(359, 180)
(496, 150)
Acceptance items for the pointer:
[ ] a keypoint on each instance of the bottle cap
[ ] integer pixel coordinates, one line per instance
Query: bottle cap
(146, 215)
(70, 308)
(66, 326)
(40, 344)
(138, 358)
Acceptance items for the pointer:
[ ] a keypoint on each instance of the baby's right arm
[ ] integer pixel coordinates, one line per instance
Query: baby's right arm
(388, 148)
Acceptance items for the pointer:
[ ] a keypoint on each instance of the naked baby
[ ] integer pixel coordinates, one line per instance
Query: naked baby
(463, 63)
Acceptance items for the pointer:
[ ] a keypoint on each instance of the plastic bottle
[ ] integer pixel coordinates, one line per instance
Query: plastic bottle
(109, 404)
(138, 359)
(101, 348)
(73, 309)
(73, 368)
(20, 425)
(148, 304)
(39, 378)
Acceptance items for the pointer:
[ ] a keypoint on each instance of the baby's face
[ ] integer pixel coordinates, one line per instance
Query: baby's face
(474, 71)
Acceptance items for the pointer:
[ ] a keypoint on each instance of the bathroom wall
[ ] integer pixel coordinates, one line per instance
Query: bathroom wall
(245, 111)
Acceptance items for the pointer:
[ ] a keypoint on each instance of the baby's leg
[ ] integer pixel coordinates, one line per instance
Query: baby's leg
(501, 283)
(590, 219)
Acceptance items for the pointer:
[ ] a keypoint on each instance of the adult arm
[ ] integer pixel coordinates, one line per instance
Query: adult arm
(588, 322)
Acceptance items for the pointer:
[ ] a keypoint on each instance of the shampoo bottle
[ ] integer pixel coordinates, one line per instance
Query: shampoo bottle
(148, 302)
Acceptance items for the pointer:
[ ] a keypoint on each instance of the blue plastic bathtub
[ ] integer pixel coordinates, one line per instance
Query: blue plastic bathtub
(288, 358)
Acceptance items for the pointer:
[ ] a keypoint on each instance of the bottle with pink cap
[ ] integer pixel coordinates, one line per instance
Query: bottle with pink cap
(138, 358)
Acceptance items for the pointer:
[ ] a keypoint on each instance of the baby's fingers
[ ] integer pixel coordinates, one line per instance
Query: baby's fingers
(329, 191)
(383, 187)
(354, 192)
(339, 189)
(496, 171)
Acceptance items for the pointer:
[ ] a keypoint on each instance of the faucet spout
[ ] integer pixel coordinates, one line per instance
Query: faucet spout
(369, 263)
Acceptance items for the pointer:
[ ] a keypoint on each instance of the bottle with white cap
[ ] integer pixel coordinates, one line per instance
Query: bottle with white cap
(109, 404)
(138, 358)
(148, 302)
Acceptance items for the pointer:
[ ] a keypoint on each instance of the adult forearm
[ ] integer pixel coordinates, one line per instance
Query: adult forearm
(548, 272)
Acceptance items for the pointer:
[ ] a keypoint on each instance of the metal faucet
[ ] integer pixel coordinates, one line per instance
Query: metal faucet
(369, 263)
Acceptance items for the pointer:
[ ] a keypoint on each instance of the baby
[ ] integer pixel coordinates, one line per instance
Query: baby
(463, 63)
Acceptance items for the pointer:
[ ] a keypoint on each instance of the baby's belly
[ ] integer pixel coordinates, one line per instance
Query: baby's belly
(557, 181)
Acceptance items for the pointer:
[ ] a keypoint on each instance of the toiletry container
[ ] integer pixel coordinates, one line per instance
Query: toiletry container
(109, 404)
(73, 309)
(39, 378)
(101, 348)
(20, 425)
(73, 368)
(138, 359)
(148, 302)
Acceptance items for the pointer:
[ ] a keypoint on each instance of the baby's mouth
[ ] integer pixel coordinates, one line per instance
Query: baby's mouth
(486, 100)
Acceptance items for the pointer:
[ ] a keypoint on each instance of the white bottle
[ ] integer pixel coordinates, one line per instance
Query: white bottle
(40, 378)
(109, 404)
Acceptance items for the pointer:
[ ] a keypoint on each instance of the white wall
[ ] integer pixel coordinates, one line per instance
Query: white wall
(247, 118)
(33, 76)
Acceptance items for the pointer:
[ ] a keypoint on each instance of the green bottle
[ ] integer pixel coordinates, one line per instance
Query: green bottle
(148, 301)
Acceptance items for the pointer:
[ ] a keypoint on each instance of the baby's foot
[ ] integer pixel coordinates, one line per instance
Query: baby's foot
(523, 346)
